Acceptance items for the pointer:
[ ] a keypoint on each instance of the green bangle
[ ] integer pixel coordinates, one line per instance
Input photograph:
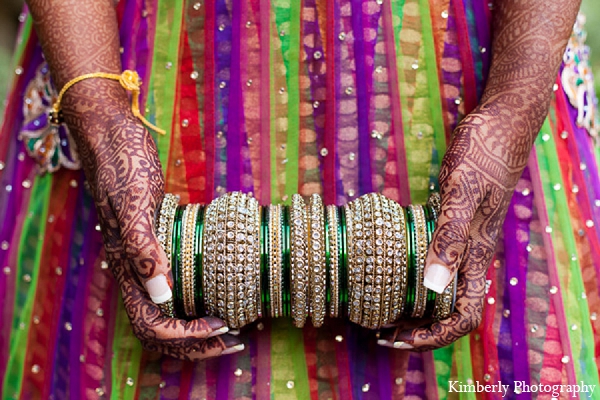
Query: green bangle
(285, 263)
(411, 262)
(177, 284)
(264, 261)
(431, 295)
(327, 261)
(343, 262)
(199, 231)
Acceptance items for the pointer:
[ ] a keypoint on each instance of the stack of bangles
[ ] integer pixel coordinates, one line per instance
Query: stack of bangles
(240, 261)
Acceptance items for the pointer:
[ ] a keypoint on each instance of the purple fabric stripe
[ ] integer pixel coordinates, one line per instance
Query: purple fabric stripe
(516, 268)
(236, 112)
(483, 27)
(128, 33)
(452, 78)
(142, 55)
(415, 363)
(383, 372)
(317, 75)
(365, 184)
(171, 374)
(224, 377)
(61, 375)
(222, 36)
(89, 252)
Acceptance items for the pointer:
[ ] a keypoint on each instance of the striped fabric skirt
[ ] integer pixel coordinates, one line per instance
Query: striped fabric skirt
(341, 98)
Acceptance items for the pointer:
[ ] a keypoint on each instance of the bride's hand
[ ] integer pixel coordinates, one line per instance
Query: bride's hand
(125, 177)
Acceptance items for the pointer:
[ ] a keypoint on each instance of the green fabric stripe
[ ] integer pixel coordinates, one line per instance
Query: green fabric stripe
(443, 368)
(293, 71)
(464, 368)
(28, 262)
(570, 279)
(127, 351)
(288, 361)
(165, 66)
(435, 97)
(23, 40)
(275, 197)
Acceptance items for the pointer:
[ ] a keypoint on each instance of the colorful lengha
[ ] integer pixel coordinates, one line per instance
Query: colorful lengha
(279, 97)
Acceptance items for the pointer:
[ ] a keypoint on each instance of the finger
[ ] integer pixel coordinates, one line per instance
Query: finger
(388, 336)
(187, 333)
(465, 318)
(218, 346)
(458, 206)
(212, 347)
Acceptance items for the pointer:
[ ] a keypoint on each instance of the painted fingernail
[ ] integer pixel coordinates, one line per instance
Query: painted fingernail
(215, 323)
(234, 332)
(437, 277)
(219, 331)
(396, 345)
(234, 349)
(158, 289)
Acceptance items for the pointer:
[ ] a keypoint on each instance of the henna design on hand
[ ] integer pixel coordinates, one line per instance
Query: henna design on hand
(487, 155)
(121, 164)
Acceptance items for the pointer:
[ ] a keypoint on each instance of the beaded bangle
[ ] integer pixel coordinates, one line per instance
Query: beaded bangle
(333, 260)
(421, 252)
(399, 253)
(299, 267)
(165, 223)
(316, 250)
(275, 260)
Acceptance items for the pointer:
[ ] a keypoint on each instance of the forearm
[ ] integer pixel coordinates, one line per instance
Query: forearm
(529, 41)
(80, 37)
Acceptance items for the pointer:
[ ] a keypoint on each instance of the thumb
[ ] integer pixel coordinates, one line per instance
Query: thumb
(145, 249)
(451, 235)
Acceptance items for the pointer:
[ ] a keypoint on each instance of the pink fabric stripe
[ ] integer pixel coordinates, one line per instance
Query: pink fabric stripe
(265, 103)
(397, 128)
(552, 268)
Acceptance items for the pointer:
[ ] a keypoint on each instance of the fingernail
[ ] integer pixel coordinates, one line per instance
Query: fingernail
(234, 349)
(436, 278)
(219, 331)
(234, 332)
(396, 345)
(215, 323)
(158, 289)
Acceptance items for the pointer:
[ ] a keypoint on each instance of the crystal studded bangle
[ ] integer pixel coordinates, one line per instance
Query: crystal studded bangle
(188, 272)
(316, 259)
(165, 223)
(298, 263)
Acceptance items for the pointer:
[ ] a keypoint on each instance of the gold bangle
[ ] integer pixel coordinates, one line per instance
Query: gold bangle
(213, 250)
(299, 267)
(316, 260)
(129, 80)
(334, 253)
(165, 223)
(275, 260)
(421, 252)
(400, 280)
(188, 280)
(253, 286)
(384, 264)
(356, 259)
